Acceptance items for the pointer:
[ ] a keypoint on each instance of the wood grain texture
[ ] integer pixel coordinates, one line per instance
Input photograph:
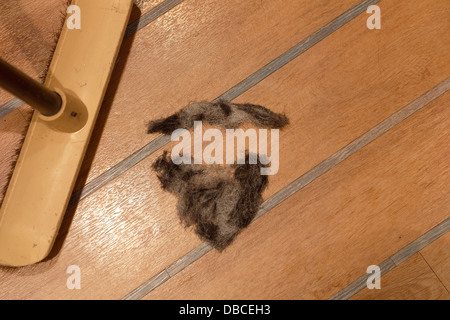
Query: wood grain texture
(358, 214)
(402, 67)
(422, 241)
(10, 106)
(297, 50)
(361, 283)
(399, 257)
(313, 174)
(170, 271)
(437, 255)
(124, 229)
(365, 73)
(131, 225)
(412, 280)
(118, 238)
(232, 93)
(158, 8)
(353, 147)
(355, 71)
(185, 56)
(148, 286)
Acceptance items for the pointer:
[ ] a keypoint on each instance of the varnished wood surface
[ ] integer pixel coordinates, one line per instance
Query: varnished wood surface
(230, 94)
(123, 234)
(151, 224)
(413, 279)
(295, 51)
(437, 255)
(356, 215)
(361, 283)
(316, 172)
(368, 53)
(425, 241)
(196, 51)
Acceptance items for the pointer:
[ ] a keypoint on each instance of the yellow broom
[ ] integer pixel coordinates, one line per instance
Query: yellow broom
(66, 110)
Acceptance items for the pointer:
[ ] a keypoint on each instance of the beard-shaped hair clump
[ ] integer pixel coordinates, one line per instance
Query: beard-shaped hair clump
(218, 201)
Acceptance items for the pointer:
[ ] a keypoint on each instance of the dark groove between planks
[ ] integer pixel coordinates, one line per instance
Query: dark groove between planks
(118, 169)
(132, 28)
(231, 94)
(151, 16)
(310, 176)
(297, 50)
(396, 259)
(434, 272)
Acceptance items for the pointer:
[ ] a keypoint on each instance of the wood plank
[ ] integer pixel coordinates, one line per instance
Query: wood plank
(361, 283)
(146, 5)
(421, 242)
(324, 237)
(163, 72)
(22, 21)
(110, 195)
(149, 10)
(327, 104)
(119, 234)
(123, 222)
(437, 255)
(319, 170)
(131, 190)
(334, 100)
(156, 281)
(236, 90)
(390, 263)
(412, 280)
(264, 92)
(295, 51)
(406, 68)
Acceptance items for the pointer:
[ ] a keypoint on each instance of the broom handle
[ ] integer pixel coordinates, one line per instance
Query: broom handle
(42, 99)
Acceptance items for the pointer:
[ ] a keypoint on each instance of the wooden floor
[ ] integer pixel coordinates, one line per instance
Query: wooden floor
(364, 173)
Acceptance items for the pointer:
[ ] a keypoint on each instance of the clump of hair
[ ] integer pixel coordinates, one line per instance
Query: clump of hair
(219, 202)
(222, 113)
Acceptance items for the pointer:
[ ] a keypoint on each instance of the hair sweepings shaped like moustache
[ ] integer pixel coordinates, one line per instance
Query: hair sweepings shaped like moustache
(217, 201)
(222, 113)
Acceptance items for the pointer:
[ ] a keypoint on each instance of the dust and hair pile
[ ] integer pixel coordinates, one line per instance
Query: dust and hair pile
(218, 201)
(224, 114)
